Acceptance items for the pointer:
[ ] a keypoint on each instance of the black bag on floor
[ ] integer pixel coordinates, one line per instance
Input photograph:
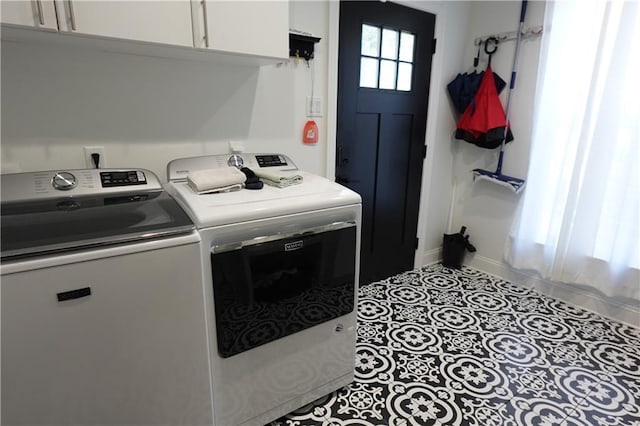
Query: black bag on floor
(454, 247)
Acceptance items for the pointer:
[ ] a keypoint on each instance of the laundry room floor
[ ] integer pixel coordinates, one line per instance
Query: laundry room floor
(439, 346)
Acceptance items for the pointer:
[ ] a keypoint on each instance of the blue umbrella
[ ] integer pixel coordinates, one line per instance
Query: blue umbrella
(464, 87)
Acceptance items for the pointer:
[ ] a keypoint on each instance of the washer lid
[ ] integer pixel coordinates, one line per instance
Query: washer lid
(314, 193)
(70, 223)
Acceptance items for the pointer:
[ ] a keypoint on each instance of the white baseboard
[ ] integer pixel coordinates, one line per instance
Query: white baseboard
(571, 294)
(431, 256)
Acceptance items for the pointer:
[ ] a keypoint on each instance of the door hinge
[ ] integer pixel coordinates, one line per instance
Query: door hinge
(417, 241)
(433, 46)
(424, 151)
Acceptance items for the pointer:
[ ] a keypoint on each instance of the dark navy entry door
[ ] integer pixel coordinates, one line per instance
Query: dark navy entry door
(384, 67)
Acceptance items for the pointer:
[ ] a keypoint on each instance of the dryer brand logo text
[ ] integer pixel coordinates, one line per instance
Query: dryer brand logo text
(294, 245)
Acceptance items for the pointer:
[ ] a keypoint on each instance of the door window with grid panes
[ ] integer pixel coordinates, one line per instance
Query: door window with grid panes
(386, 58)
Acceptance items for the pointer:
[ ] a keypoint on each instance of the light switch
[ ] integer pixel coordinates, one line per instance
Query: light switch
(314, 106)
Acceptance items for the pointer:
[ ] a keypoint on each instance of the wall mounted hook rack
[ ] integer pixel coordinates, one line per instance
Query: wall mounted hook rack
(302, 46)
(501, 37)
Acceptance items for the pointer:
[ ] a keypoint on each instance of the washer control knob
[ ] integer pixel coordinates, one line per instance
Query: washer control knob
(235, 161)
(64, 181)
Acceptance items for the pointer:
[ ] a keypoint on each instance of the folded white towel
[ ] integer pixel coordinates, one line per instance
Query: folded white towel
(216, 180)
(228, 188)
(278, 178)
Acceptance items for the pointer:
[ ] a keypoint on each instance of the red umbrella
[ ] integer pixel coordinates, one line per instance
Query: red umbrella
(484, 120)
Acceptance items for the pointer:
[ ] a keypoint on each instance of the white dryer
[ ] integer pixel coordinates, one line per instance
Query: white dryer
(280, 270)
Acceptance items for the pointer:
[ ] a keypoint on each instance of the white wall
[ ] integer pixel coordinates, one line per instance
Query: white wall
(485, 208)
(146, 111)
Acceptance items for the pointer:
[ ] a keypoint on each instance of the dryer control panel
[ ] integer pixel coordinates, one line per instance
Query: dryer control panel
(178, 169)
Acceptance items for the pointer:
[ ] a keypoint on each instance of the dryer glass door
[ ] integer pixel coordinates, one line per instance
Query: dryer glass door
(270, 287)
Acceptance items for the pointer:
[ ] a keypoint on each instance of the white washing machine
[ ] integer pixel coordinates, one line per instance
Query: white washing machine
(280, 269)
(103, 320)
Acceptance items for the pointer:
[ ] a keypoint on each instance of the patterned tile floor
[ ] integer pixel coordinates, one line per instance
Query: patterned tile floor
(445, 347)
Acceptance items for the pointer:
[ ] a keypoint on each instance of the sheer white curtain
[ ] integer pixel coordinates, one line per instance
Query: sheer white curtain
(579, 219)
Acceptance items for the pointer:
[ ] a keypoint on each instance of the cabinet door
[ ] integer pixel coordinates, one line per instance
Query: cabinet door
(134, 351)
(166, 22)
(251, 27)
(31, 13)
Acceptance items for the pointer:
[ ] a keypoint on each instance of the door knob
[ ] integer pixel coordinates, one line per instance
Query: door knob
(342, 160)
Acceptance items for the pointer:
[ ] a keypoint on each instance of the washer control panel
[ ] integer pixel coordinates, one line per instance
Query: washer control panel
(76, 183)
(64, 181)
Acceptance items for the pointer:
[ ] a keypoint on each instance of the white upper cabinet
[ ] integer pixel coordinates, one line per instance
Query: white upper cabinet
(250, 27)
(253, 31)
(29, 13)
(167, 22)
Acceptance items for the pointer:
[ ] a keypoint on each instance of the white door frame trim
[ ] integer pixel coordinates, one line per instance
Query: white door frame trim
(332, 88)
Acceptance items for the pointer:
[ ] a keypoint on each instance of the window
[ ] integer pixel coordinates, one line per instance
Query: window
(386, 58)
(580, 216)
